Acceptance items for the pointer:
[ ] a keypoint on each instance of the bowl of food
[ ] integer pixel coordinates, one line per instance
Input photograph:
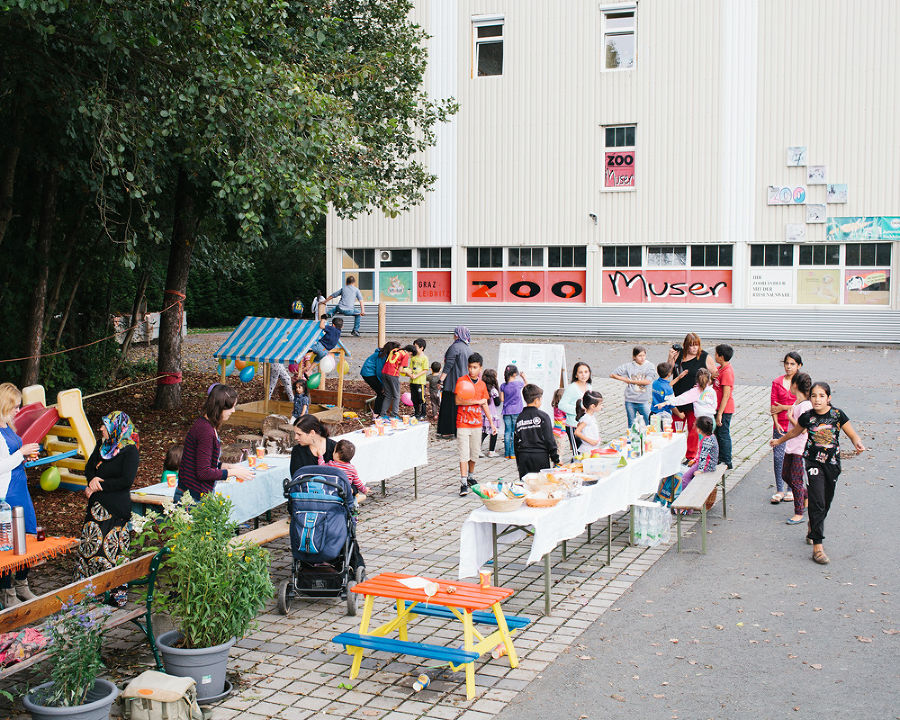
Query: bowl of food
(502, 503)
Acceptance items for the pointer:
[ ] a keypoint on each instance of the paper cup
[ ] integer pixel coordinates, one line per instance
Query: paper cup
(679, 426)
(260, 451)
(485, 576)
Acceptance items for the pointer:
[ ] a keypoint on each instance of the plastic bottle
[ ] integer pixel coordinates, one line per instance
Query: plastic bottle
(6, 535)
(499, 651)
(421, 682)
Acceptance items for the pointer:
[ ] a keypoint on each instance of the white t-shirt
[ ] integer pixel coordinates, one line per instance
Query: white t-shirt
(590, 431)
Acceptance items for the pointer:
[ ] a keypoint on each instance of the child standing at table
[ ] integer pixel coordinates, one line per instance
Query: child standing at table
(511, 397)
(471, 408)
(662, 388)
(587, 431)
(490, 426)
(343, 453)
(170, 465)
(395, 363)
(434, 389)
(534, 443)
(559, 415)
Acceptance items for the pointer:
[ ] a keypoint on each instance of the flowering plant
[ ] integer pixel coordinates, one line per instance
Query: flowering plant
(218, 583)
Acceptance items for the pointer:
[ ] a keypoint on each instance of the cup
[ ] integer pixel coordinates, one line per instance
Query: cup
(406, 419)
(251, 460)
(39, 533)
(485, 576)
(260, 451)
(381, 429)
(679, 425)
(172, 480)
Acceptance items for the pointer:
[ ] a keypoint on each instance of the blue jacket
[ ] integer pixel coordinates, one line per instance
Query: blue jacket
(372, 367)
(661, 390)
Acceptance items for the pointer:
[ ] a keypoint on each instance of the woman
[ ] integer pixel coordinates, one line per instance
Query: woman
(201, 465)
(14, 486)
(456, 365)
(313, 447)
(371, 373)
(688, 361)
(581, 383)
(782, 400)
(110, 472)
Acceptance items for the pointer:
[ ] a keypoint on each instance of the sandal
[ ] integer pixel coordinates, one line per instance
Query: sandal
(776, 498)
(788, 497)
(791, 521)
(820, 557)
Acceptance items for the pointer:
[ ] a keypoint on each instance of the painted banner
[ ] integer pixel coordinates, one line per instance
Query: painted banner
(867, 287)
(526, 286)
(818, 287)
(771, 286)
(667, 286)
(433, 286)
(786, 195)
(854, 229)
(395, 286)
(619, 170)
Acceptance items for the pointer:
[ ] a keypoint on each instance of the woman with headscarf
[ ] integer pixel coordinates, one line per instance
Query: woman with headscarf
(110, 473)
(456, 365)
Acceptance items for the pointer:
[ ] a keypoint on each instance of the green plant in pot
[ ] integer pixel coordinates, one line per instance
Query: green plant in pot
(74, 691)
(216, 587)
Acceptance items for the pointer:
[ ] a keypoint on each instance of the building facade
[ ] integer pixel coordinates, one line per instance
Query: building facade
(736, 155)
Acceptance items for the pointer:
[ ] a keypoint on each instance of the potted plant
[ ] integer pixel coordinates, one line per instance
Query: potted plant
(217, 587)
(74, 691)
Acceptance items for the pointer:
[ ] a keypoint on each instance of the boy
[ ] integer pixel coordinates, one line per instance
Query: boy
(331, 336)
(349, 296)
(724, 387)
(434, 389)
(662, 388)
(417, 371)
(533, 441)
(343, 453)
(471, 409)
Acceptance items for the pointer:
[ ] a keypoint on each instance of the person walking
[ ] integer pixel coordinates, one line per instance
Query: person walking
(349, 295)
(456, 365)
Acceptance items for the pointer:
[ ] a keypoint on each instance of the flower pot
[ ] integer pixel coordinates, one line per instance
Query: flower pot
(205, 665)
(96, 706)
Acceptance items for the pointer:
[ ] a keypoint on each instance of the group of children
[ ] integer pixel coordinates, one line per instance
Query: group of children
(388, 365)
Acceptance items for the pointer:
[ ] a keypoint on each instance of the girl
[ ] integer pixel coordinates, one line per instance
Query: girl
(793, 471)
(581, 383)
(171, 465)
(638, 376)
(489, 425)
(418, 373)
(689, 360)
(822, 457)
(397, 359)
(702, 396)
(511, 397)
(587, 431)
(559, 417)
(301, 399)
(782, 400)
(708, 455)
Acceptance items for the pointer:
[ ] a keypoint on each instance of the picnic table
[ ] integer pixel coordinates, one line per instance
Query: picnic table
(548, 527)
(466, 602)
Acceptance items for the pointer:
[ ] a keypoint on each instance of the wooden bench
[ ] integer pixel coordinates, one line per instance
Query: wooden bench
(264, 534)
(694, 496)
(513, 622)
(140, 571)
(405, 647)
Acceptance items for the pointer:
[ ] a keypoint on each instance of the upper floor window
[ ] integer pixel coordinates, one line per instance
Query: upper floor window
(358, 259)
(618, 37)
(434, 258)
(711, 255)
(486, 257)
(622, 256)
(820, 254)
(667, 256)
(865, 254)
(487, 36)
(526, 257)
(567, 256)
(772, 255)
(395, 258)
(619, 159)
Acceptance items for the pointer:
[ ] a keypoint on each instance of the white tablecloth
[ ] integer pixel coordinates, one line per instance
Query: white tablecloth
(382, 456)
(569, 518)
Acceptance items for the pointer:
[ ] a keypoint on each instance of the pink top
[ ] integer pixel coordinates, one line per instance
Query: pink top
(796, 445)
(780, 396)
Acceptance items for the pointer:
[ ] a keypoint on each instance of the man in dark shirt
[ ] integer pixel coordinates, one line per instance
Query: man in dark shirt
(533, 440)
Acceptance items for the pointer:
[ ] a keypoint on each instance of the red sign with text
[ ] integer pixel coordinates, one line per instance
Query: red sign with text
(526, 286)
(666, 286)
(619, 169)
(433, 286)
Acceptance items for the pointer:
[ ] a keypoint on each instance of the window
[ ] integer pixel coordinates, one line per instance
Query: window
(567, 256)
(772, 255)
(434, 258)
(868, 254)
(618, 37)
(484, 257)
(667, 256)
(622, 256)
(488, 51)
(820, 254)
(395, 258)
(526, 257)
(358, 259)
(618, 171)
(711, 255)
(620, 136)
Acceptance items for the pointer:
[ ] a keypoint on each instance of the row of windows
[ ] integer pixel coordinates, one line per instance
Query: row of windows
(567, 256)
(855, 255)
(668, 256)
(428, 258)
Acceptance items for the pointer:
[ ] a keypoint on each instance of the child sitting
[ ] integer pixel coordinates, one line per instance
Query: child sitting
(559, 416)
(301, 399)
(708, 456)
(331, 336)
(434, 389)
(170, 465)
(343, 453)
(534, 444)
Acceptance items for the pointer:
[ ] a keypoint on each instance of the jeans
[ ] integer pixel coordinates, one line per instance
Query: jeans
(352, 312)
(723, 435)
(633, 408)
(318, 349)
(778, 456)
(509, 430)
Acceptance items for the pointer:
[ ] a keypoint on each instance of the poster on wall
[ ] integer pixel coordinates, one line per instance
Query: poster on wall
(542, 365)
(786, 194)
(818, 287)
(855, 229)
(836, 193)
(433, 286)
(619, 169)
(395, 285)
(867, 287)
(796, 156)
(771, 286)
(794, 232)
(815, 175)
(667, 286)
(816, 213)
(556, 286)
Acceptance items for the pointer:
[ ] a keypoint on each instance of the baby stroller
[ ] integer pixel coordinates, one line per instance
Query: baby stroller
(327, 561)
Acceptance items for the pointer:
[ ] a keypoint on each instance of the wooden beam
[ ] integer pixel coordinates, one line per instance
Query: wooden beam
(382, 330)
(340, 389)
(222, 373)
(266, 371)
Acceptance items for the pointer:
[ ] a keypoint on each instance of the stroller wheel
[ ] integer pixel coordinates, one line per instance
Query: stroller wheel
(352, 596)
(284, 597)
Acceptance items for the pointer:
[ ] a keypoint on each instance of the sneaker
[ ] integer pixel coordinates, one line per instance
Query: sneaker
(493, 453)
(463, 490)
(470, 480)
(355, 333)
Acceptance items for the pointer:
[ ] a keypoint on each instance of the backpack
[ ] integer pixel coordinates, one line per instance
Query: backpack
(156, 696)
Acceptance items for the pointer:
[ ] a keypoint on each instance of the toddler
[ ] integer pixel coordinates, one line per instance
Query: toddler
(301, 399)
(171, 464)
(662, 388)
(511, 397)
(343, 453)
(434, 389)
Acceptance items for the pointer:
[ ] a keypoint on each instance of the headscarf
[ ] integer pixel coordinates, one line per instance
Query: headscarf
(120, 429)
(462, 333)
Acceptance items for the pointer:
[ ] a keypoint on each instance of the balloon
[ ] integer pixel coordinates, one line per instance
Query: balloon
(247, 374)
(406, 399)
(293, 368)
(314, 381)
(240, 364)
(327, 364)
(343, 368)
(229, 368)
(50, 479)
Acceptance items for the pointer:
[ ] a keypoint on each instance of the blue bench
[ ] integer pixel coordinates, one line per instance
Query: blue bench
(513, 622)
(404, 647)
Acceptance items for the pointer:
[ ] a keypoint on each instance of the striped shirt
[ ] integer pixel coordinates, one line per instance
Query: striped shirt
(351, 474)
(201, 465)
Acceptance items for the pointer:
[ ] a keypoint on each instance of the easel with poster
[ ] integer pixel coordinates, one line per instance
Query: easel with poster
(543, 365)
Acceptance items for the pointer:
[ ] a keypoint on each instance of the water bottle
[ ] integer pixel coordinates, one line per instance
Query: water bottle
(640, 524)
(654, 530)
(421, 682)
(6, 534)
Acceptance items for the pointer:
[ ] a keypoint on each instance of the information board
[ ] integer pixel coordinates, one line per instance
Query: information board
(543, 365)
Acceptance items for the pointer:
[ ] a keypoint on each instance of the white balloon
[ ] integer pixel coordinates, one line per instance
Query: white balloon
(327, 364)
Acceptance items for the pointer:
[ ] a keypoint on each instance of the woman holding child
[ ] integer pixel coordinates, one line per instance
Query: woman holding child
(313, 447)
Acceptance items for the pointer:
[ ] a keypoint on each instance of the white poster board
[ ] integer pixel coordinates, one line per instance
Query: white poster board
(542, 365)
(772, 286)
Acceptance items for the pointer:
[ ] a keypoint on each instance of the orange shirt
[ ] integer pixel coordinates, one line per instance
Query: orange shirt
(469, 416)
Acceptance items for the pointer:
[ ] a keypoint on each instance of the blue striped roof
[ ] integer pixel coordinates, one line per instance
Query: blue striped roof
(271, 340)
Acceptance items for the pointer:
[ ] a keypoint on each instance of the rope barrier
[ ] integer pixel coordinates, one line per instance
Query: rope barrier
(122, 387)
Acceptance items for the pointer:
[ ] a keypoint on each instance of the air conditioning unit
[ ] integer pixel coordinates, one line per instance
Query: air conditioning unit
(385, 256)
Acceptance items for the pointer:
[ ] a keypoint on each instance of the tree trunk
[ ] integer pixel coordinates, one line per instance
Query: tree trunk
(39, 296)
(62, 273)
(138, 296)
(8, 166)
(184, 231)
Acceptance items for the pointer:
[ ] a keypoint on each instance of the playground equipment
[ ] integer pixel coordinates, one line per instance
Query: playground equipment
(62, 429)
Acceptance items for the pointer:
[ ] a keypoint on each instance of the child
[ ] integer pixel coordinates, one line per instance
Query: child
(701, 395)
(662, 388)
(396, 360)
(171, 464)
(278, 372)
(371, 372)
(434, 389)
(471, 408)
(708, 455)
(343, 453)
(724, 387)
(559, 415)
(822, 457)
(331, 336)
(511, 397)
(586, 430)
(417, 371)
(534, 444)
(638, 376)
(793, 472)
(301, 399)
(492, 415)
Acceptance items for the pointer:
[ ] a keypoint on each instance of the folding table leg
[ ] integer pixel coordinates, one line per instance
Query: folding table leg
(609, 539)
(415, 483)
(383, 488)
(496, 564)
(724, 501)
(589, 532)
(678, 526)
(563, 549)
(547, 584)
(703, 524)
(631, 524)
(469, 644)
(363, 629)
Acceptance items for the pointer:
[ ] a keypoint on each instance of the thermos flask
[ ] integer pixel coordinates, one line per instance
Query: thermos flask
(18, 528)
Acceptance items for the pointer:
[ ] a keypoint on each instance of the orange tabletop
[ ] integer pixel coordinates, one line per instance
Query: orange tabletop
(35, 552)
(469, 596)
